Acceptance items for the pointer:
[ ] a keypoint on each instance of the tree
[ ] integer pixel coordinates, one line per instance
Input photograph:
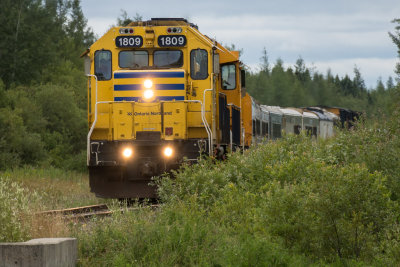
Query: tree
(264, 62)
(39, 35)
(232, 47)
(396, 40)
(77, 28)
(380, 88)
(358, 83)
(302, 73)
(390, 84)
(43, 97)
(124, 19)
(281, 86)
(347, 86)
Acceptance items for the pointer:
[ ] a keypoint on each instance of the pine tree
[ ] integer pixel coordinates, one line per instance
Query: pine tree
(77, 28)
(396, 40)
(347, 86)
(380, 88)
(390, 84)
(358, 83)
(300, 70)
(264, 62)
(124, 19)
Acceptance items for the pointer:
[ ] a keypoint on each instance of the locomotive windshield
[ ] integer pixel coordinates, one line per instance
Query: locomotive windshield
(168, 58)
(133, 59)
(102, 65)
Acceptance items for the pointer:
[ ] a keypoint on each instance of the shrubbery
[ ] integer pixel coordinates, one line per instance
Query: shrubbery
(43, 90)
(295, 201)
(290, 192)
(13, 210)
(42, 124)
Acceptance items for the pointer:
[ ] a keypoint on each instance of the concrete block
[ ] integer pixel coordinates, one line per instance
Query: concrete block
(40, 252)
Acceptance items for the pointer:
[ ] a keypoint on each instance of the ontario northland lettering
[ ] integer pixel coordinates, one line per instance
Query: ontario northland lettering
(151, 113)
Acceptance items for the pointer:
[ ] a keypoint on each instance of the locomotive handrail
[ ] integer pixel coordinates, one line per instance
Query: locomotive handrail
(206, 125)
(94, 122)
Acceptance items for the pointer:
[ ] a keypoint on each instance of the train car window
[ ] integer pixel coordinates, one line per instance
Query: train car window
(228, 73)
(198, 64)
(258, 127)
(264, 128)
(297, 129)
(254, 128)
(168, 58)
(133, 59)
(276, 131)
(102, 65)
(314, 131)
(243, 78)
(309, 130)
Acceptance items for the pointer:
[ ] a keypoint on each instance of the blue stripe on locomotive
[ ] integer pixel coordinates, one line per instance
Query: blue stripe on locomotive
(134, 87)
(152, 74)
(161, 98)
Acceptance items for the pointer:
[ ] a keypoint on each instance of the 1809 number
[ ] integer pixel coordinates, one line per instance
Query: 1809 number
(171, 40)
(129, 41)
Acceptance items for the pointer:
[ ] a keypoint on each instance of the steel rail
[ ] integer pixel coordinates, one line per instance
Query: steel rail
(87, 212)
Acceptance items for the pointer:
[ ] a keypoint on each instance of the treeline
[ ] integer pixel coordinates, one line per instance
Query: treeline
(300, 86)
(42, 86)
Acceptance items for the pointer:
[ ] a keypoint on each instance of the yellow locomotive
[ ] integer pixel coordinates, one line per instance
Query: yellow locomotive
(159, 92)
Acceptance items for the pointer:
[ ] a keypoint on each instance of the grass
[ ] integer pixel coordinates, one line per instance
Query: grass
(57, 189)
(44, 189)
(177, 236)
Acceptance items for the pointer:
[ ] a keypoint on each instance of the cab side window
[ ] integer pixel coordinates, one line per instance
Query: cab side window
(198, 64)
(102, 65)
(228, 73)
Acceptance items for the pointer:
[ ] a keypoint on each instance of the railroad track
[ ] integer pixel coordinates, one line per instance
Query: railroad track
(87, 212)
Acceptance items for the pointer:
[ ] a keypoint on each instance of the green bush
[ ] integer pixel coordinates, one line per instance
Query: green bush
(294, 201)
(13, 212)
(325, 205)
(17, 144)
(339, 212)
(178, 235)
(282, 203)
(42, 124)
(375, 144)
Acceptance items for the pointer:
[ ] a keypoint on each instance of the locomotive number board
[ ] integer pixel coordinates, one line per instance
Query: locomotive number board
(129, 41)
(171, 40)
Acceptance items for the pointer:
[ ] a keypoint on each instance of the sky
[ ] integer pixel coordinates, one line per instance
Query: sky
(338, 35)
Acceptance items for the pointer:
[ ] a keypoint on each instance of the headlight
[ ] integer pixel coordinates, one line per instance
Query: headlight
(148, 94)
(168, 151)
(127, 152)
(148, 84)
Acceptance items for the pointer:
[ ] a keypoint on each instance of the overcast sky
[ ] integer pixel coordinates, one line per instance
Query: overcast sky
(335, 34)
